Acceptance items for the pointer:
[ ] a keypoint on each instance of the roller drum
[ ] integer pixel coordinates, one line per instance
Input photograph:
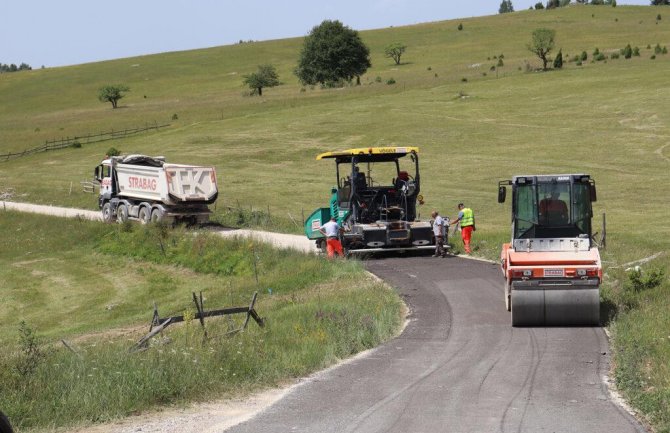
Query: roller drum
(557, 303)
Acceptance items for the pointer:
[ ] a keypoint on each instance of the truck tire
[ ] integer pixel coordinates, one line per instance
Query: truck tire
(157, 215)
(5, 427)
(107, 215)
(121, 213)
(145, 214)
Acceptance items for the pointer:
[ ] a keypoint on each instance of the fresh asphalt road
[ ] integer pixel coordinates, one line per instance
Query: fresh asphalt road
(458, 366)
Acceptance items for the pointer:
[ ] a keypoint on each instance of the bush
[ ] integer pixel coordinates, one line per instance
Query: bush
(492, 68)
(636, 51)
(390, 81)
(113, 151)
(378, 79)
(658, 17)
(664, 50)
(558, 61)
(596, 52)
(464, 80)
(584, 56)
(75, 144)
(653, 57)
(460, 27)
(614, 56)
(500, 62)
(429, 68)
(175, 116)
(657, 49)
(627, 52)
(600, 57)
(579, 63)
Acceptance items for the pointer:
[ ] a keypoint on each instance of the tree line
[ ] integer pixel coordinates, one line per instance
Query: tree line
(13, 68)
(506, 5)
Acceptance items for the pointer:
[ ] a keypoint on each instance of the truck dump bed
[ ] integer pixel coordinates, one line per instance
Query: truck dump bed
(151, 179)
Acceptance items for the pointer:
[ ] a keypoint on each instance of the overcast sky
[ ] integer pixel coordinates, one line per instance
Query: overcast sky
(66, 32)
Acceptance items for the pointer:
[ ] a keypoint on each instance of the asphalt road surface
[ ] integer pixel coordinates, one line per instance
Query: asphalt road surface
(458, 366)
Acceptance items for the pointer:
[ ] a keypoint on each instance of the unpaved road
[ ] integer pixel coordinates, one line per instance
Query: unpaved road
(457, 367)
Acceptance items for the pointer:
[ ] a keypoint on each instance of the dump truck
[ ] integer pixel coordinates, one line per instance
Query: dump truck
(375, 201)
(552, 266)
(148, 189)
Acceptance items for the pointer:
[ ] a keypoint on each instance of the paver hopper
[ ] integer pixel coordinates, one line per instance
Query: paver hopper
(552, 267)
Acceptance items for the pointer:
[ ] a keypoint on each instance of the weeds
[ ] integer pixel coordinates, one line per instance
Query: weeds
(30, 354)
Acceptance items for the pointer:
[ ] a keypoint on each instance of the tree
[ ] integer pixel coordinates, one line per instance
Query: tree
(660, 2)
(553, 4)
(539, 6)
(265, 76)
(394, 51)
(332, 52)
(542, 44)
(505, 7)
(558, 61)
(112, 93)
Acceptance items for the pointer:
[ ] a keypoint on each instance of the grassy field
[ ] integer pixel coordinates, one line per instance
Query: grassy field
(95, 285)
(474, 126)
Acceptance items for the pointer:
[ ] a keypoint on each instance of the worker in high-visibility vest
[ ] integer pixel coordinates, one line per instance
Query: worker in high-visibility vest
(466, 219)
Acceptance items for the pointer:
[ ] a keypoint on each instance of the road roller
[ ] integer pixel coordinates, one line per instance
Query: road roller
(552, 265)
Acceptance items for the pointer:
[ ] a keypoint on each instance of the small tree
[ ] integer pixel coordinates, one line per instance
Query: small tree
(394, 51)
(660, 2)
(505, 7)
(112, 93)
(539, 6)
(541, 44)
(265, 76)
(558, 61)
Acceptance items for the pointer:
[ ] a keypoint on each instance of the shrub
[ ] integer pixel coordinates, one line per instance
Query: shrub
(558, 61)
(500, 62)
(648, 47)
(614, 56)
(464, 80)
(30, 354)
(579, 63)
(175, 116)
(429, 68)
(113, 151)
(596, 52)
(636, 51)
(627, 52)
(378, 79)
(460, 27)
(657, 49)
(658, 17)
(584, 56)
(576, 58)
(653, 57)
(390, 81)
(539, 6)
(664, 50)
(75, 144)
(600, 57)
(492, 68)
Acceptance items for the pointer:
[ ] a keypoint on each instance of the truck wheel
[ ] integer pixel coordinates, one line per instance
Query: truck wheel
(107, 214)
(157, 215)
(121, 213)
(145, 214)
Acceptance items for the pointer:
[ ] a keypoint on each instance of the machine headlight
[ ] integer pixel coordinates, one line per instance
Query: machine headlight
(581, 272)
(527, 273)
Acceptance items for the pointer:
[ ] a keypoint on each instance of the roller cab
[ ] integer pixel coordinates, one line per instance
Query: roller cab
(552, 268)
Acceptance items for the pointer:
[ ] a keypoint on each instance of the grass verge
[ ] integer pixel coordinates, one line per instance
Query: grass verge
(317, 312)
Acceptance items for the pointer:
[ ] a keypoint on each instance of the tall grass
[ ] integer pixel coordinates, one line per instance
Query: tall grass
(316, 312)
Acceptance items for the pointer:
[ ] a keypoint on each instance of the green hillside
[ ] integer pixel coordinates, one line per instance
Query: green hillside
(474, 126)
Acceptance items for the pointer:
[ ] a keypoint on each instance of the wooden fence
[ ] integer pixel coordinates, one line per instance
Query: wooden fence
(81, 140)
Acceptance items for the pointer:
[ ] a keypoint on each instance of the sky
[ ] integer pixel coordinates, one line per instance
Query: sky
(66, 32)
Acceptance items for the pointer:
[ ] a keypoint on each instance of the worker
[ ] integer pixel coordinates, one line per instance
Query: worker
(359, 179)
(466, 218)
(440, 226)
(331, 231)
(553, 210)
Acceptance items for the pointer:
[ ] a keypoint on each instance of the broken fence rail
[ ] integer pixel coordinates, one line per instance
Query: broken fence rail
(158, 324)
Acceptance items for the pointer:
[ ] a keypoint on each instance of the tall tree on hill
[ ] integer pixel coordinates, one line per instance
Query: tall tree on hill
(112, 93)
(660, 2)
(541, 44)
(332, 52)
(505, 7)
(265, 76)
